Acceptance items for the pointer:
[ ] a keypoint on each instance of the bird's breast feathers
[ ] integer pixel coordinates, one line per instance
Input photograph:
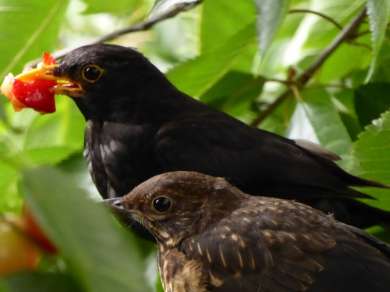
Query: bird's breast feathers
(179, 274)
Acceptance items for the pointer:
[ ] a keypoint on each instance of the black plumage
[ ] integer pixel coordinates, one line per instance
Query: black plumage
(140, 125)
(213, 237)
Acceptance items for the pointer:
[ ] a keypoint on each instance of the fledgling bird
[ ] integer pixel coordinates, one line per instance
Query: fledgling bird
(139, 125)
(213, 237)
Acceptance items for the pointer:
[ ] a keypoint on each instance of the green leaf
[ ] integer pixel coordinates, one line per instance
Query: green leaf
(222, 19)
(40, 282)
(382, 71)
(9, 199)
(99, 254)
(114, 7)
(270, 16)
(380, 232)
(344, 101)
(52, 138)
(280, 120)
(3, 286)
(370, 158)
(29, 28)
(198, 75)
(314, 33)
(326, 121)
(379, 15)
(371, 100)
(339, 63)
(235, 93)
(159, 287)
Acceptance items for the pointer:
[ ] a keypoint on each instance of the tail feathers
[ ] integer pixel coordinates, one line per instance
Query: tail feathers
(327, 159)
(353, 180)
(352, 193)
(362, 182)
(371, 240)
(353, 212)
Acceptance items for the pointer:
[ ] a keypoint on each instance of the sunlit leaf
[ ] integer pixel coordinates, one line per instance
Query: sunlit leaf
(196, 76)
(371, 159)
(28, 29)
(379, 15)
(235, 93)
(270, 15)
(221, 19)
(314, 33)
(325, 120)
(100, 255)
(115, 7)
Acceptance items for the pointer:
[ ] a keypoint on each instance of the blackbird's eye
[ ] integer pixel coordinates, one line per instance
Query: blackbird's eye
(91, 73)
(162, 204)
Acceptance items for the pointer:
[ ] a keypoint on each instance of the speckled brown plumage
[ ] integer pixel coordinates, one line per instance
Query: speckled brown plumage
(213, 237)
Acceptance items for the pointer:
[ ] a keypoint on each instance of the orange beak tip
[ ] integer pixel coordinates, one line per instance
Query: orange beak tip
(48, 59)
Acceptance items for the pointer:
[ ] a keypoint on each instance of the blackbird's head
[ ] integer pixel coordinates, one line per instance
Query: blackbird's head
(107, 80)
(176, 205)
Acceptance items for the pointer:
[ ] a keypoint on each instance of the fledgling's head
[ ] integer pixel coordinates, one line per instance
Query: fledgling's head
(176, 205)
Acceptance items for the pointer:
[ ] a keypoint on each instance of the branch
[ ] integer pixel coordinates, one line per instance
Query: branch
(324, 16)
(305, 77)
(152, 21)
(141, 26)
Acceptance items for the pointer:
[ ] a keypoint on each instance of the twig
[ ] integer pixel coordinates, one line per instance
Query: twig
(336, 24)
(304, 78)
(142, 26)
(324, 16)
(149, 23)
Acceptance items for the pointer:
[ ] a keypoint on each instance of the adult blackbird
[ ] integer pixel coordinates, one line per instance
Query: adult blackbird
(213, 237)
(140, 125)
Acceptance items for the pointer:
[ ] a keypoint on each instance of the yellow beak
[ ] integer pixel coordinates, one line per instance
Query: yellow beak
(64, 85)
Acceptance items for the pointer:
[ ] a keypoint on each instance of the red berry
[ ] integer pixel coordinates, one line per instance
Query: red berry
(32, 229)
(37, 94)
(17, 251)
(33, 92)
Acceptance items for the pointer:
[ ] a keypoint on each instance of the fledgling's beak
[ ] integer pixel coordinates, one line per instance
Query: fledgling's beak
(114, 203)
(116, 206)
(64, 85)
(127, 218)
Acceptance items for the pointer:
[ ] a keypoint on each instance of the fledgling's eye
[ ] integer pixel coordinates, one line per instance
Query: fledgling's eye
(91, 73)
(162, 204)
